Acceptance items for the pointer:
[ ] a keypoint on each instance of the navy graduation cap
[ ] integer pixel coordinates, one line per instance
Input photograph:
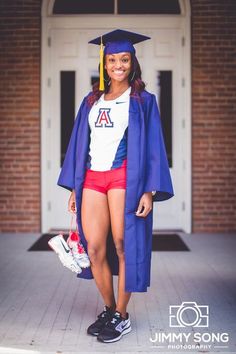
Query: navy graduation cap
(116, 41)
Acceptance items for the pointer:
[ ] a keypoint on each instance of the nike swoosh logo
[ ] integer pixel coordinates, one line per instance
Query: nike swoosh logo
(67, 251)
(119, 102)
(123, 325)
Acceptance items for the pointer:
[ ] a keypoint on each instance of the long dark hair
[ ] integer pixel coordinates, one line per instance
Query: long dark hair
(135, 81)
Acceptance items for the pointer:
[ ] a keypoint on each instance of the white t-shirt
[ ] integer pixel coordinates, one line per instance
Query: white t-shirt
(108, 122)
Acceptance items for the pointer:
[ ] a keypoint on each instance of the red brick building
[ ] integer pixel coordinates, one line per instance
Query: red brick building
(212, 55)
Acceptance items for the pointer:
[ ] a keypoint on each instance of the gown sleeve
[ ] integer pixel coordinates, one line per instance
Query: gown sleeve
(157, 174)
(67, 175)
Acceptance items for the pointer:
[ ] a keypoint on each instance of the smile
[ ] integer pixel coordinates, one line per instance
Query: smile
(118, 72)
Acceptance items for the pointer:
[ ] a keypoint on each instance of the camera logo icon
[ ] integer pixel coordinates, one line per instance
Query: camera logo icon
(188, 314)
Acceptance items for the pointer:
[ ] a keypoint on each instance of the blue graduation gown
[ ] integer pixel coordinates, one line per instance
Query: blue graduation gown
(147, 170)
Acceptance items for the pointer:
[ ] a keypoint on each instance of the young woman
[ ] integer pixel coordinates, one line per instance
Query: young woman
(115, 168)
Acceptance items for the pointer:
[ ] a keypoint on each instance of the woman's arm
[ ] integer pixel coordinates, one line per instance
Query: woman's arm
(72, 202)
(145, 205)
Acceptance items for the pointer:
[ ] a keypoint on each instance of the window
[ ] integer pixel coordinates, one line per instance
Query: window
(164, 84)
(94, 78)
(79, 7)
(83, 7)
(67, 88)
(148, 7)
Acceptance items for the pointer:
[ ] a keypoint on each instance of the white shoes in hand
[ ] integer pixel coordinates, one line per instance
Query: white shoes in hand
(71, 253)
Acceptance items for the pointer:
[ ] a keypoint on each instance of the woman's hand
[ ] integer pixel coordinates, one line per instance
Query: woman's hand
(71, 203)
(145, 203)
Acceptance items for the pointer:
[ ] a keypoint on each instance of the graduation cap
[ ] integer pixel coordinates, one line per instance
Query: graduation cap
(116, 41)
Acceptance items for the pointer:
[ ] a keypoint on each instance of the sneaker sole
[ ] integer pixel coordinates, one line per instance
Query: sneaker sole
(125, 331)
(84, 267)
(81, 265)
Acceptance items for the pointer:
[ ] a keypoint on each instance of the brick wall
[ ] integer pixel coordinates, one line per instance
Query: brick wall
(213, 112)
(20, 115)
(214, 115)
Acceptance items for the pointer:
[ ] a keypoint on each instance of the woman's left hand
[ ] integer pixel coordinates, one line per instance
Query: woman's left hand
(145, 205)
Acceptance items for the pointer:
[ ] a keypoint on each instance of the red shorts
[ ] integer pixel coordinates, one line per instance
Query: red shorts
(102, 181)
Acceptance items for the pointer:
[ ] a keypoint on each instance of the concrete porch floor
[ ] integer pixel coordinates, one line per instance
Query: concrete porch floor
(45, 308)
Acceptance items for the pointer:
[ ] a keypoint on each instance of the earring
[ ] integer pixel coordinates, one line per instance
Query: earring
(132, 76)
(107, 80)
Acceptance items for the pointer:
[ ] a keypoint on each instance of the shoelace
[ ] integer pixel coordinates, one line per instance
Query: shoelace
(113, 322)
(80, 248)
(103, 316)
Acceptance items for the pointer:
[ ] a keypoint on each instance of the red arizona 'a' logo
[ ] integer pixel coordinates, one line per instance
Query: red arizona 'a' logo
(103, 119)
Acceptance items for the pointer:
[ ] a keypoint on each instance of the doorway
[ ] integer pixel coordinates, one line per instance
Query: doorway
(69, 67)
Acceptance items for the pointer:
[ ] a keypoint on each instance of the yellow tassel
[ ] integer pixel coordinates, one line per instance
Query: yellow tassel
(101, 73)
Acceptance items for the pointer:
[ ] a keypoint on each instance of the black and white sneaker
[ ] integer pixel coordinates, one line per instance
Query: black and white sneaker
(105, 316)
(115, 328)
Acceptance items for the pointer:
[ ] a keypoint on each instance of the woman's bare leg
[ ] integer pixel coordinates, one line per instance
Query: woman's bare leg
(116, 202)
(96, 223)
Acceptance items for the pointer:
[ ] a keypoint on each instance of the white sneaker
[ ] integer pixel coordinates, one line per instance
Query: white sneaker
(59, 245)
(78, 250)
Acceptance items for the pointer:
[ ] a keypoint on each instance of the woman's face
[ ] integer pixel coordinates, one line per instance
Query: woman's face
(118, 66)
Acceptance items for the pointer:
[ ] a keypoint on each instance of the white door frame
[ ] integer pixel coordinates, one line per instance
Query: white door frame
(180, 22)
